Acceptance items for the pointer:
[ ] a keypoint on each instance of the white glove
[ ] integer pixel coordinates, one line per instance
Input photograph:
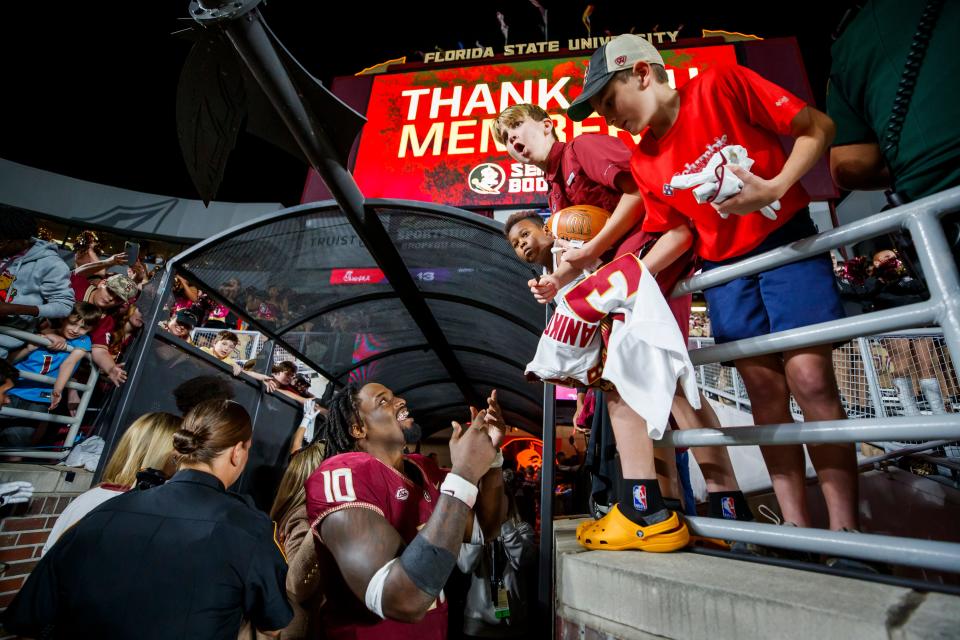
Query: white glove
(715, 184)
(16, 492)
(310, 411)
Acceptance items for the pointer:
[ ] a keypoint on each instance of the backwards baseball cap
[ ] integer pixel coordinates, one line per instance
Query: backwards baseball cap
(617, 54)
(122, 286)
(187, 318)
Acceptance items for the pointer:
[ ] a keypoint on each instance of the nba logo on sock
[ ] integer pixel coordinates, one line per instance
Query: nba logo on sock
(727, 508)
(639, 497)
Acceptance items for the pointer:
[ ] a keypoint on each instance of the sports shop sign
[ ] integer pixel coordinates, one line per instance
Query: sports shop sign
(429, 134)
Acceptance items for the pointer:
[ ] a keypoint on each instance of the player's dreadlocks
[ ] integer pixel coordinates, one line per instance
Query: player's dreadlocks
(342, 413)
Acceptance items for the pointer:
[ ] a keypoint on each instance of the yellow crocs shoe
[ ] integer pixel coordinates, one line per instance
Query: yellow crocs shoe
(616, 532)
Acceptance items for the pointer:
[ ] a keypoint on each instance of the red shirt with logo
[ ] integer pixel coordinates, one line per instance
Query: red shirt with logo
(724, 105)
(361, 481)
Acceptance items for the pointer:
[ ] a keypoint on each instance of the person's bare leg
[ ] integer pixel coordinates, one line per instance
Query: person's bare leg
(714, 462)
(633, 443)
(766, 385)
(810, 377)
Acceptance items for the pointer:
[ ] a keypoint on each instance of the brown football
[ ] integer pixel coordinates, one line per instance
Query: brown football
(579, 222)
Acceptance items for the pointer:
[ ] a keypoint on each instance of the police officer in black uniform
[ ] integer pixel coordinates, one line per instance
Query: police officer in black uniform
(187, 559)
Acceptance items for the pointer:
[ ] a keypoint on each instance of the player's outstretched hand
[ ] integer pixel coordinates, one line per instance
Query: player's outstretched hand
(471, 451)
(493, 421)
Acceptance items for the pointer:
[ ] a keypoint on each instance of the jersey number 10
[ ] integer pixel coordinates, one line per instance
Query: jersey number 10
(341, 483)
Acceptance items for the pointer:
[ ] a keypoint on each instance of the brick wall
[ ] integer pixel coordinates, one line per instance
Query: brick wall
(24, 528)
(22, 536)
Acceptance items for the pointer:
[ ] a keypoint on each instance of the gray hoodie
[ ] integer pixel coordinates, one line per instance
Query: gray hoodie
(41, 278)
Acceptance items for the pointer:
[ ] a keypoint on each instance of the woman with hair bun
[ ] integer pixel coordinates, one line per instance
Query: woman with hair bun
(187, 559)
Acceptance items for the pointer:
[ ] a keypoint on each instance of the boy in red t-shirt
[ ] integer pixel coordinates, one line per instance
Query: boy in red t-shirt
(683, 129)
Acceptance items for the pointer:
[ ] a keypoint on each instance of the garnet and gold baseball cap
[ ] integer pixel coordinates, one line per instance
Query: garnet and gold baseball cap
(617, 54)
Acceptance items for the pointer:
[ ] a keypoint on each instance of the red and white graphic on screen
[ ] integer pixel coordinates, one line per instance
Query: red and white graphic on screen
(430, 133)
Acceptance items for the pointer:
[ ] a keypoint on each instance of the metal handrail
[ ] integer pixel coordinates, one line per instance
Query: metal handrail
(921, 219)
(74, 421)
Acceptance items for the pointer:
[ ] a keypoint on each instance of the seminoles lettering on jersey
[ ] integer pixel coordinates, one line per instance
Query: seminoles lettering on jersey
(361, 481)
(646, 354)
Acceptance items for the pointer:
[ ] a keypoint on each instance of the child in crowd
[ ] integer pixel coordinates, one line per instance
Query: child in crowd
(682, 131)
(29, 395)
(282, 380)
(222, 349)
(180, 325)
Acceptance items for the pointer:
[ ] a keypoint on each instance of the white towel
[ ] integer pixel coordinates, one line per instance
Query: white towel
(716, 185)
(646, 357)
(646, 354)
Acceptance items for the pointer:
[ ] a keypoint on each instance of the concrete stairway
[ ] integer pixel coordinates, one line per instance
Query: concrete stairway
(639, 596)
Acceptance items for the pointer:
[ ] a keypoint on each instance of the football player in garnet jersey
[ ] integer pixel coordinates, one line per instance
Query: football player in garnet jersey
(388, 525)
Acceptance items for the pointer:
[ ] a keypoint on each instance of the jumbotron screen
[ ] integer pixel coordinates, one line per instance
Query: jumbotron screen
(429, 134)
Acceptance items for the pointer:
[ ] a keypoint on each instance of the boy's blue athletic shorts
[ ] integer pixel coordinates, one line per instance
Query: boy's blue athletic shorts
(794, 295)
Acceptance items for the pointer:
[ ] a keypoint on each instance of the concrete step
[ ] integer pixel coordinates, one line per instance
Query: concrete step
(632, 595)
(47, 478)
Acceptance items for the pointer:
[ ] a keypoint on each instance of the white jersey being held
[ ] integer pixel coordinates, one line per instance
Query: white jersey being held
(646, 354)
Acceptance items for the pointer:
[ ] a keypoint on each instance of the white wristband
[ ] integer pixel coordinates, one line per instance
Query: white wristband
(460, 488)
(497, 461)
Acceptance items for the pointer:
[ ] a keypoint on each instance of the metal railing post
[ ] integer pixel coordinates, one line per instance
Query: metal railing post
(73, 422)
(873, 382)
(735, 379)
(940, 273)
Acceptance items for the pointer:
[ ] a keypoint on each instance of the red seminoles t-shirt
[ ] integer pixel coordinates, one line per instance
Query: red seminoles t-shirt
(361, 481)
(725, 105)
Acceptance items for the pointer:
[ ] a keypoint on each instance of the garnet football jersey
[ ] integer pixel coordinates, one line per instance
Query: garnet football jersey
(361, 481)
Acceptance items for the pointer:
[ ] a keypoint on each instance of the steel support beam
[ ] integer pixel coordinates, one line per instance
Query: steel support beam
(249, 36)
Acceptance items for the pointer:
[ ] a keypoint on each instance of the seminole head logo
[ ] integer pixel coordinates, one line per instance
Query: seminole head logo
(487, 178)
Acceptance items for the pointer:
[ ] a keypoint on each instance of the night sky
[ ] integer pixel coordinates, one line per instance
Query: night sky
(90, 89)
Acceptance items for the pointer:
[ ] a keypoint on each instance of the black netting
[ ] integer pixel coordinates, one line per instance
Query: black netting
(425, 397)
(399, 370)
(166, 366)
(294, 269)
(491, 370)
(341, 338)
(470, 326)
(450, 256)
(313, 260)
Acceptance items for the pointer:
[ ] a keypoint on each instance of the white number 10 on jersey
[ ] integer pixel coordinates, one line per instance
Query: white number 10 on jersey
(341, 482)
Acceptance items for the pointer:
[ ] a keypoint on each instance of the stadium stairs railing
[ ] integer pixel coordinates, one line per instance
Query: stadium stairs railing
(73, 422)
(922, 220)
